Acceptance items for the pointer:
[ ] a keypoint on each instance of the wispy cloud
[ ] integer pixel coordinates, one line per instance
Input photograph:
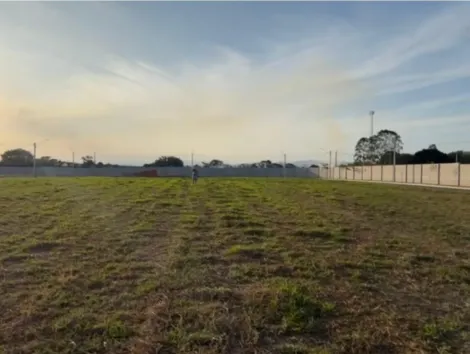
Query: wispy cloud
(100, 88)
(437, 33)
(412, 82)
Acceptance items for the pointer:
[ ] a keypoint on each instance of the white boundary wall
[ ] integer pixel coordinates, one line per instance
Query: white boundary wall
(449, 174)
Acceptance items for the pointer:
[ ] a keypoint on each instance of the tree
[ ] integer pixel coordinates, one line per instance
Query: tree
(265, 164)
(216, 163)
(388, 140)
(363, 151)
(404, 159)
(213, 163)
(459, 156)
(166, 161)
(88, 161)
(372, 150)
(48, 161)
(17, 157)
(431, 156)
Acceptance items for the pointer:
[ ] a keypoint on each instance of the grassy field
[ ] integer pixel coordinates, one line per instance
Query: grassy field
(232, 266)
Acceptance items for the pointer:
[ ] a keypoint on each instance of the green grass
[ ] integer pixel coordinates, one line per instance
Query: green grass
(232, 266)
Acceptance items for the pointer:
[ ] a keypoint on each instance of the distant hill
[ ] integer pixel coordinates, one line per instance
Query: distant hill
(307, 163)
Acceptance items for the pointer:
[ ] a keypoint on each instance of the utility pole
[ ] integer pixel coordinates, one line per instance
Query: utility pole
(394, 160)
(34, 159)
(336, 158)
(73, 159)
(284, 167)
(329, 167)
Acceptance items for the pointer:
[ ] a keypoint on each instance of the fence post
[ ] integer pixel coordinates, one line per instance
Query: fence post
(438, 174)
(414, 180)
(371, 168)
(458, 174)
(421, 175)
(406, 173)
(362, 172)
(354, 172)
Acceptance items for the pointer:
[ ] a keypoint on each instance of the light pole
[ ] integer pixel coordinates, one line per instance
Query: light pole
(371, 114)
(371, 148)
(73, 157)
(34, 155)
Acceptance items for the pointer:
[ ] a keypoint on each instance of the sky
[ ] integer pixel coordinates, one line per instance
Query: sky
(237, 81)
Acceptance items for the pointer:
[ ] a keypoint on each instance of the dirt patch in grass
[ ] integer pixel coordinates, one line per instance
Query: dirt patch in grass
(232, 266)
(42, 247)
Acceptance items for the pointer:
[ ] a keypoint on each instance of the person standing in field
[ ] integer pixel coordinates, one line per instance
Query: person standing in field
(195, 175)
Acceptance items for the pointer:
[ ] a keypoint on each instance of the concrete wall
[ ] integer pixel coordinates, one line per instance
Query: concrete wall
(387, 172)
(451, 174)
(430, 174)
(410, 174)
(162, 172)
(376, 173)
(465, 175)
(400, 173)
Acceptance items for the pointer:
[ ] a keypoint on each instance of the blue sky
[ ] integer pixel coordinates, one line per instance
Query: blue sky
(236, 81)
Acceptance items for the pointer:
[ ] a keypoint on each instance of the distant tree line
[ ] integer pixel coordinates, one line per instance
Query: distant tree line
(173, 161)
(22, 157)
(379, 149)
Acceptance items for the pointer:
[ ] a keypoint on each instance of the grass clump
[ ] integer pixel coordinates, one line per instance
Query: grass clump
(297, 310)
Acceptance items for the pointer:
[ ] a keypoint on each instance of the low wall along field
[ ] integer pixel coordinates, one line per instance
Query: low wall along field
(158, 171)
(451, 174)
(232, 265)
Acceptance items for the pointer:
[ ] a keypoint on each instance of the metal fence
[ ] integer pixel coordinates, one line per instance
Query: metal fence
(449, 174)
